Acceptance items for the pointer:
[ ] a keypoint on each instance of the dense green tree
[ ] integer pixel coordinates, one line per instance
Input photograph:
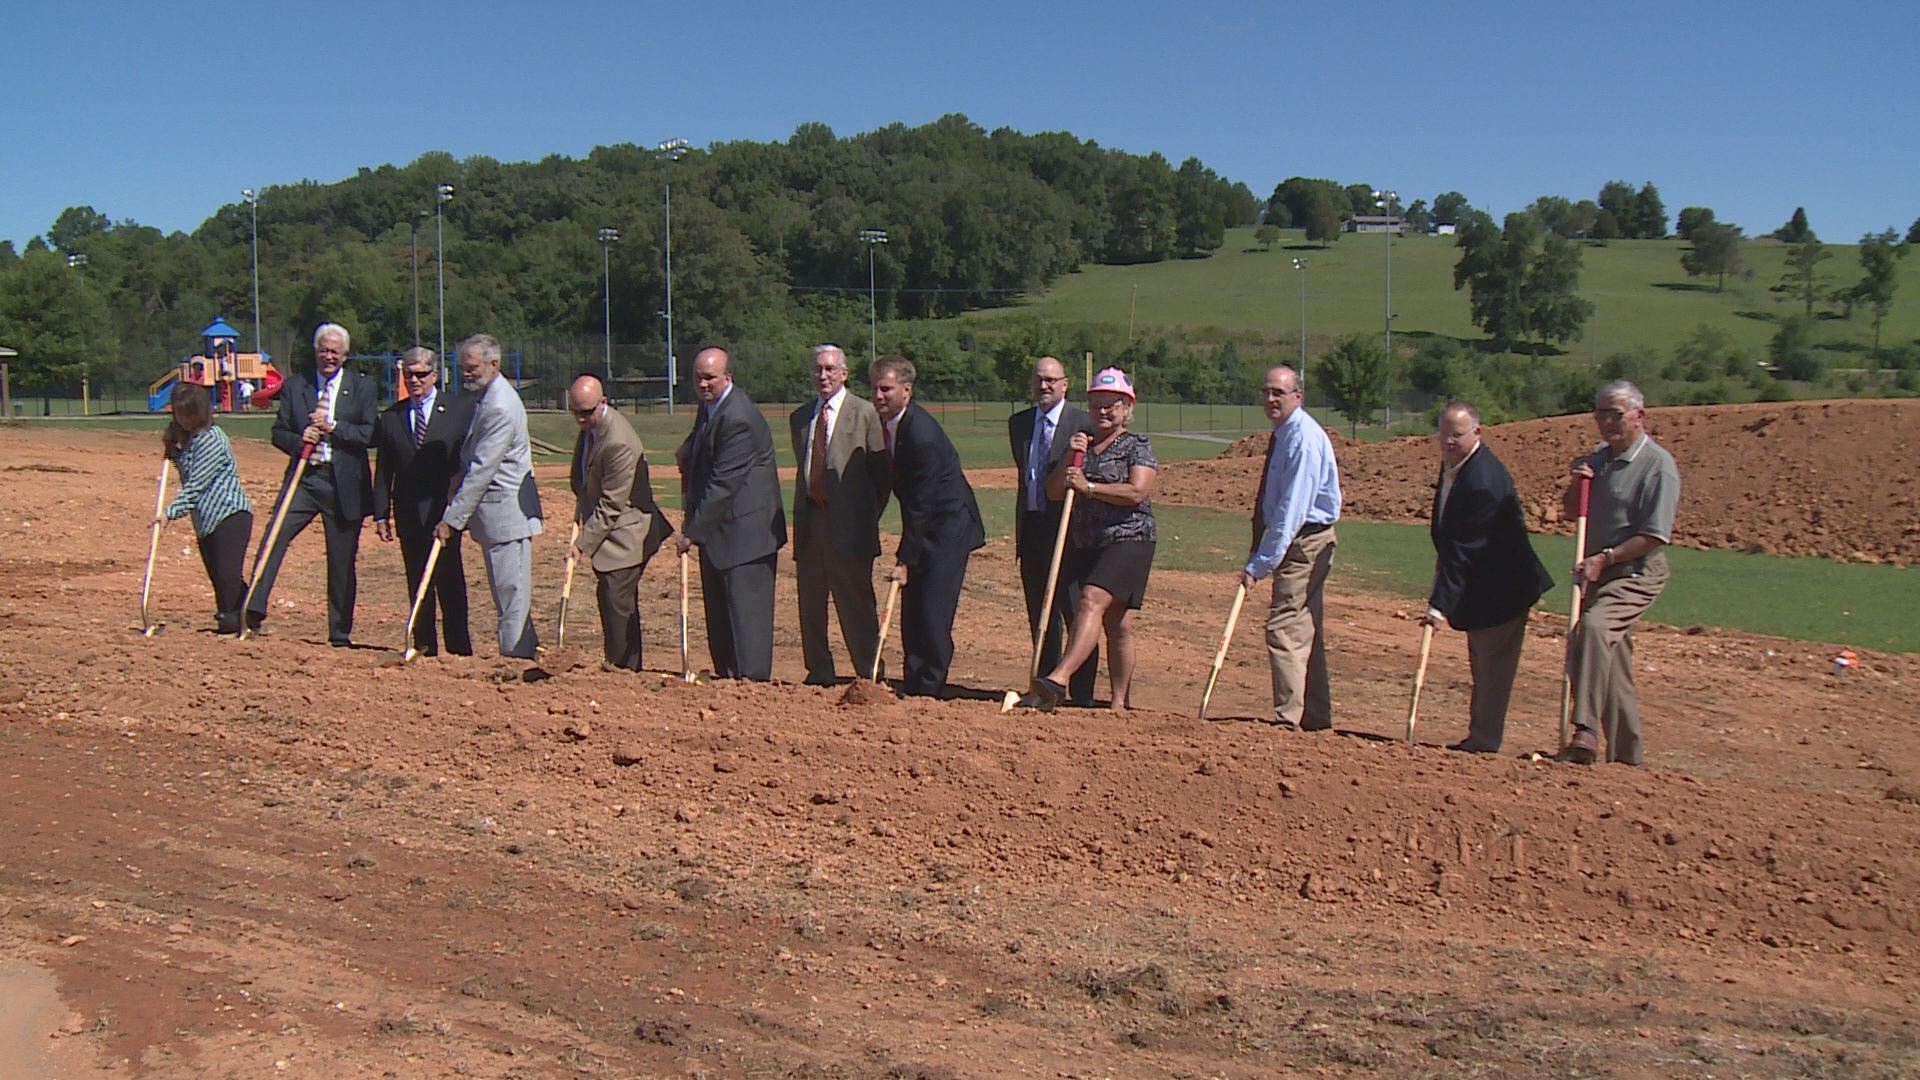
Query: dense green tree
(58, 321)
(1322, 217)
(1554, 214)
(1266, 236)
(1418, 217)
(75, 226)
(1618, 201)
(1879, 277)
(1292, 198)
(1515, 293)
(1913, 233)
(1605, 226)
(1649, 213)
(1791, 351)
(1359, 199)
(1803, 262)
(1555, 309)
(1716, 250)
(1202, 208)
(1691, 218)
(1582, 218)
(1448, 206)
(1354, 377)
(1796, 230)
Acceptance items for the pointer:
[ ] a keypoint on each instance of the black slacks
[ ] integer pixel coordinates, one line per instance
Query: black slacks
(315, 498)
(739, 606)
(447, 596)
(224, 553)
(1036, 555)
(927, 606)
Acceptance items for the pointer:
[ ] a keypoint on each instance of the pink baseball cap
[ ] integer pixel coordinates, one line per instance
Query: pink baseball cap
(1112, 381)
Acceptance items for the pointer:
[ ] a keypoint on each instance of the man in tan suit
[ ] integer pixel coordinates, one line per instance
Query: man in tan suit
(620, 527)
(839, 490)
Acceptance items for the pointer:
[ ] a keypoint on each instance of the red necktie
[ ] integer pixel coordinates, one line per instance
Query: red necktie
(1260, 500)
(817, 459)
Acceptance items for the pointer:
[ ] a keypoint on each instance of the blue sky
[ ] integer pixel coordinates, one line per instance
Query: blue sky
(161, 113)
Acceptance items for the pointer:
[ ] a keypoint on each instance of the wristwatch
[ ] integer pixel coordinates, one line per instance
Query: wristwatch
(1606, 555)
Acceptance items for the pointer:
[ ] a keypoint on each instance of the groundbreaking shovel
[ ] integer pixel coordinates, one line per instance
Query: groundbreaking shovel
(407, 651)
(1012, 697)
(273, 532)
(148, 627)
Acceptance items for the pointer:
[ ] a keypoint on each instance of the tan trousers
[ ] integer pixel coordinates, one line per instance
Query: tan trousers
(1600, 659)
(1493, 654)
(1296, 637)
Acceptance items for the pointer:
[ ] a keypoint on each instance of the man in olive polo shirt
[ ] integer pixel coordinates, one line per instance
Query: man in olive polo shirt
(1635, 488)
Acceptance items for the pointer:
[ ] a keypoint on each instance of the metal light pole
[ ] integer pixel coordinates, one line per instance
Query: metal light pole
(441, 194)
(253, 212)
(1384, 200)
(673, 150)
(1301, 266)
(607, 239)
(413, 256)
(872, 237)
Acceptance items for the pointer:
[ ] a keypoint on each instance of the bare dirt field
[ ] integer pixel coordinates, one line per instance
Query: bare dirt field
(276, 858)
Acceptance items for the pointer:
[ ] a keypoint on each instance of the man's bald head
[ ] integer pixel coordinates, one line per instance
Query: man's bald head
(584, 399)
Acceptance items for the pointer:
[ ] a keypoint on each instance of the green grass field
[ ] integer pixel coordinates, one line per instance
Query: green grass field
(1641, 295)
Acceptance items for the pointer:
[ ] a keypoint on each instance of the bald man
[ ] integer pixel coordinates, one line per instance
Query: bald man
(620, 526)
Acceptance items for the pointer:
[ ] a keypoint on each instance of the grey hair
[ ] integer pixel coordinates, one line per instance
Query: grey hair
(486, 345)
(835, 350)
(333, 329)
(1621, 388)
(418, 355)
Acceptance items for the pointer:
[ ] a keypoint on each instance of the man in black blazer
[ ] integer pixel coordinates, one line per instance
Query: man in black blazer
(333, 410)
(939, 526)
(733, 514)
(1036, 518)
(417, 453)
(1486, 576)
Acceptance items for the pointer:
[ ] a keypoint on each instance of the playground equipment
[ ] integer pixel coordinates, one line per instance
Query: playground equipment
(221, 368)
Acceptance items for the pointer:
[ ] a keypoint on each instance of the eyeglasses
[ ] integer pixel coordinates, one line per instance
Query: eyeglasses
(1049, 382)
(1609, 416)
(418, 374)
(582, 414)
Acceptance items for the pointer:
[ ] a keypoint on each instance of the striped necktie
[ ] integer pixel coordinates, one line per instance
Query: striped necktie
(419, 424)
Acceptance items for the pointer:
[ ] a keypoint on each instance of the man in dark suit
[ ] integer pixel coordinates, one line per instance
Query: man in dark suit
(1486, 576)
(939, 526)
(733, 514)
(1039, 438)
(620, 525)
(840, 487)
(417, 452)
(334, 412)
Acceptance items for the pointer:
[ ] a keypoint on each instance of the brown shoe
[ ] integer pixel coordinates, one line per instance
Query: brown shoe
(1582, 749)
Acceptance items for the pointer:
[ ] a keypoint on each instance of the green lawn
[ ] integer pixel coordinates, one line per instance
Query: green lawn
(1641, 295)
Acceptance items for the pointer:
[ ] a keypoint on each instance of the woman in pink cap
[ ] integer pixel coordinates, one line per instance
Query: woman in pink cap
(1112, 539)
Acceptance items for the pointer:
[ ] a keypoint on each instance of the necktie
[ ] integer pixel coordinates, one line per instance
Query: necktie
(419, 424)
(1037, 462)
(817, 458)
(888, 431)
(1260, 500)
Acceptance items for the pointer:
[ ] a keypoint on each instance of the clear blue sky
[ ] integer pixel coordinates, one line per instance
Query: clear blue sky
(148, 113)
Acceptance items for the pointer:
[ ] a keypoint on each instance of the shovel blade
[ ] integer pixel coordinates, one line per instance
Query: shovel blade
(1009, 701)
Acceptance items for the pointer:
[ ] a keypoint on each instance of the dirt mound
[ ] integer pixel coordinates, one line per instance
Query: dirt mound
(1833, 479)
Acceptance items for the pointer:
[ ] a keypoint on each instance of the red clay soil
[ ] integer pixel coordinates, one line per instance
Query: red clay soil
(276, 858)
(1835, 479)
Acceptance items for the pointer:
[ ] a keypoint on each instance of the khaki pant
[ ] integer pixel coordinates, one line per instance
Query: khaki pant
(1296, 638)
(1493, 654)
(1600, 658)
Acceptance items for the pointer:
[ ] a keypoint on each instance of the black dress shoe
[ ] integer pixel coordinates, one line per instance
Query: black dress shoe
(1466, 747)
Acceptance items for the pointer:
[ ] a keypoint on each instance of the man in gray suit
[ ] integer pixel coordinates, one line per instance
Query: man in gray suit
(733, 514)
(839, 489)
(494, 497)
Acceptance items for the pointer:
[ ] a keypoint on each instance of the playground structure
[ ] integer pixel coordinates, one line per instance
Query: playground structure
(221, 368)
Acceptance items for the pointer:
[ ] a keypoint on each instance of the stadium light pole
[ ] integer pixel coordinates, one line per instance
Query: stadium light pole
(872, 237)
(1300, 265)
(253, 214)
(1384, 200)
(608, 237)
(672, 150)
(441, 193)
(77, 260)
(413, 257)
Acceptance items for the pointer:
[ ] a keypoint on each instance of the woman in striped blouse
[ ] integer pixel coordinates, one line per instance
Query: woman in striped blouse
(210, 491)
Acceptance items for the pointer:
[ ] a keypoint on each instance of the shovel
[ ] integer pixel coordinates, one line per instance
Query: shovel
(273, 532)
(886, 623)
(1573, 617)
(566, 589)
(1419, 676)
(148, 627)
(1012, 697)
(686, 668)
(407, 651)
(1220, 658)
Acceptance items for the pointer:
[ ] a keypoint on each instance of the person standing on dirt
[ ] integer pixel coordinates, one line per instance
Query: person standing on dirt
(620, 526)
(840, 487)
(1039, 437)
(210, 491)
(733, 514)
(416, 455)
(1293, 541)
(1113, 538)
(1634, 491)
(939, 527)
(496, 499)
(1485, 574)
(334, 413)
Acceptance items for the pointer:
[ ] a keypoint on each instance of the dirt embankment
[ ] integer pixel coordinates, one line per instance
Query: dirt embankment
(1834, 479)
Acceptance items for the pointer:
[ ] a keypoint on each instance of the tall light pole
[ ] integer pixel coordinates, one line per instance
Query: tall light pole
(1301, 266)
(1384, 200)
(872, 237)
(253, 213)
(441, 193)
(607, 239)
(672, 150)
(413, 256)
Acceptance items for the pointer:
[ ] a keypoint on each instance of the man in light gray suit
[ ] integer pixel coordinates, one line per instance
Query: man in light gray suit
(494, 497)
(839, 489)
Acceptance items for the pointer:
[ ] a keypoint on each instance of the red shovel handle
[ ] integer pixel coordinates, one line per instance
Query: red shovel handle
(1586, 483)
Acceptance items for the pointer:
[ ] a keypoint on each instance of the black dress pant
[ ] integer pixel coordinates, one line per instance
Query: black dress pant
(927, 606)
(224, 552)
(447, 596)
(618, 595)
(739, 606)
(315, 498)
(1036, 555)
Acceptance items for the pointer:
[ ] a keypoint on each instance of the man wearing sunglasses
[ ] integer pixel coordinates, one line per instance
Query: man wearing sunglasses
(417, 447)
(620, 525)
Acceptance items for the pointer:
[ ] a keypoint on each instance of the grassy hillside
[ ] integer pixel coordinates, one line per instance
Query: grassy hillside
(1642, 296)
